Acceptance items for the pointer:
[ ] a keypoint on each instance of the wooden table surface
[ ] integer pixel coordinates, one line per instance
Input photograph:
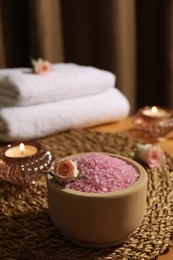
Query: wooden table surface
(126, 126)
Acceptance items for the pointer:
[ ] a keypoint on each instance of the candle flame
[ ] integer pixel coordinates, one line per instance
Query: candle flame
(21, 148)
(154, 109)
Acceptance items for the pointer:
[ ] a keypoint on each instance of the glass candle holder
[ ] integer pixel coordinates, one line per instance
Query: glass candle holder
(154, 121)
(22, 164)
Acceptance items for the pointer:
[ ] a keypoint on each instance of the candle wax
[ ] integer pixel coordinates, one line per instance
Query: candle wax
(14, 152)
(159, 113)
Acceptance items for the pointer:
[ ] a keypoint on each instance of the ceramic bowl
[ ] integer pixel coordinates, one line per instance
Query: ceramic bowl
(98, 220)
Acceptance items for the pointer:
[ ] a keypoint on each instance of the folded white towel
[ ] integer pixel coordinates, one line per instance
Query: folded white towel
(21, 87)
(22, 123)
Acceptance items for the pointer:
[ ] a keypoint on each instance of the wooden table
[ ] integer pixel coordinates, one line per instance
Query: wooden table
(126, 126)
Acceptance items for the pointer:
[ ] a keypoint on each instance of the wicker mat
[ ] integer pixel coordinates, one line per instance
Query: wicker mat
(26, 231)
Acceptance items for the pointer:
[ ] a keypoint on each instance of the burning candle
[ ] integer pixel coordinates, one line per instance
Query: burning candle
(21, 164)
(21, 151)
(155, 112)
(154, 121)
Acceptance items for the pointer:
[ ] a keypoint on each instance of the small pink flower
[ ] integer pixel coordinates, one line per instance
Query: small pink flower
(65, 171)
(152, 155)
(155, 157)
(41, 66)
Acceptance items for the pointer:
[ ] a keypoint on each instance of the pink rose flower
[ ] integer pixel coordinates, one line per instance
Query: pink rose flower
(41, 66)
(65, 171)
(152, 155)
(155, 157)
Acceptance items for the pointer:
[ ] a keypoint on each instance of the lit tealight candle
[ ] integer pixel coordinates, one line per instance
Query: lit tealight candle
(21, 151)
(155, 112)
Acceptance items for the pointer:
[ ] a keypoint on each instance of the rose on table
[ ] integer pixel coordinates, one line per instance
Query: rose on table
(151, 154)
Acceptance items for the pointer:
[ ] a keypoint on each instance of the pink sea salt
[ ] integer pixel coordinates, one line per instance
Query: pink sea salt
(102, 173)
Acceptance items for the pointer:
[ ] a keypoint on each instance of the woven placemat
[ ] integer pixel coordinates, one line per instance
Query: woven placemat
(26, 231)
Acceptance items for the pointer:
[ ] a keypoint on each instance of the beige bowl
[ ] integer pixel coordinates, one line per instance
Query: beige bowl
(98, 220)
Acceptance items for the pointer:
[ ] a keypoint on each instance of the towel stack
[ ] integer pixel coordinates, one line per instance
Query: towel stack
(70, 96)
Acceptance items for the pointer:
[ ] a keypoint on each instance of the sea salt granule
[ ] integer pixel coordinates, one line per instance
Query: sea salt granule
(102, 173)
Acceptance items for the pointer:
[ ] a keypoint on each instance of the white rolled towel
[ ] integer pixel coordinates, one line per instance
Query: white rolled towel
(22, 123)
(21, 87)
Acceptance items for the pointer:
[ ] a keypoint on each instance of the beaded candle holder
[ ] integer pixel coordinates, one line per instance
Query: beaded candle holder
(154, 121)
(22, 164)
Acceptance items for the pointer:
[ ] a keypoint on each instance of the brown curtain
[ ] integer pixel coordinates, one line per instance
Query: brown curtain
(131, 38)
